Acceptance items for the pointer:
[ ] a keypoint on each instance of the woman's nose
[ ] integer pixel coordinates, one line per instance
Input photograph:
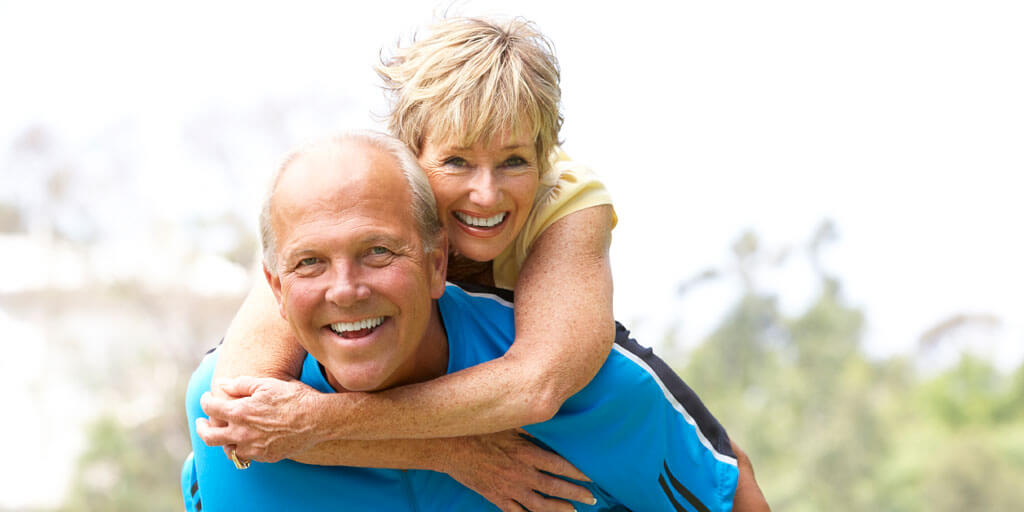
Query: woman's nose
(484, 189)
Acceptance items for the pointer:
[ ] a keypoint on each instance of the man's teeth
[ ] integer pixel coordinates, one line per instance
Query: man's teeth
(479, 222)
(369, 323)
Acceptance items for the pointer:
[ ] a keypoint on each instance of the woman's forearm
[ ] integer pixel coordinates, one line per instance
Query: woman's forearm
(431, 454)
(259, 342)
(503, 467)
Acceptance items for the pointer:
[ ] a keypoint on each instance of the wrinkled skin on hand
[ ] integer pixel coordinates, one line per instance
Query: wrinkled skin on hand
(505, 468)
(268, 420)
(262, 419)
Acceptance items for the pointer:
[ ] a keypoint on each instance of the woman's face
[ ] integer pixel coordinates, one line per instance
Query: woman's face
(484, 192)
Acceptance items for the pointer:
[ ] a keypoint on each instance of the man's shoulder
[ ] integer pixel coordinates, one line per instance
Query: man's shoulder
(483, 291)
(464, 303)
(479, 321)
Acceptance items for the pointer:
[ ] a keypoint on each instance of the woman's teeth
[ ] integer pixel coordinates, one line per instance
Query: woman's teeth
(344, 327)
(489, 222)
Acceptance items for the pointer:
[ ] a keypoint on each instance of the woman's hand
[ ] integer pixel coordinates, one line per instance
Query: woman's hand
(268, 420)
(506, 469)
(261, 419)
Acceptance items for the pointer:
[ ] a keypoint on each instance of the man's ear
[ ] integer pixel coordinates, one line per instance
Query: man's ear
(438, 266)
(275, 286)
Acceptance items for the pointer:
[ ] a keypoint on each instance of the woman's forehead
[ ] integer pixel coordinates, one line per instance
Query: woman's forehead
(505, 137)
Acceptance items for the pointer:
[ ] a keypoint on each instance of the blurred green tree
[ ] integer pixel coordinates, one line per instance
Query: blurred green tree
(830, 429)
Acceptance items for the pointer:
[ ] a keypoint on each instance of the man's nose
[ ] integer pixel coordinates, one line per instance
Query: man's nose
(484, 189)
(347, 287)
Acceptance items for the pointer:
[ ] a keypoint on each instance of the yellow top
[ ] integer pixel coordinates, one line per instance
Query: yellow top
(567, 187)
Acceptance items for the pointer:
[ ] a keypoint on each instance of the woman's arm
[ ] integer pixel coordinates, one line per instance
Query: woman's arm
(259, 341)
(564, 333)
(502, 467)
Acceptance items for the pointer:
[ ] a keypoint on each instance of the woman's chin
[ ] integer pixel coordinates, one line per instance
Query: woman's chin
(479, 251)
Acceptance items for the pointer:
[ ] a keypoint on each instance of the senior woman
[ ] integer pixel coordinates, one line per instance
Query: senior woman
(478, 103)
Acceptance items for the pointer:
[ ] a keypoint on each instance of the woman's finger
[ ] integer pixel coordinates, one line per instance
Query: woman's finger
(511, 506)
(553, 463)
(211, 435)
(558, 488)
(228, 448)
(549, 461)
(216, 407)
(536, 503)
(239, 387)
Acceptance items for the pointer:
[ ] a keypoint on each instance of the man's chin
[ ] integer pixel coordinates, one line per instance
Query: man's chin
(356, 380)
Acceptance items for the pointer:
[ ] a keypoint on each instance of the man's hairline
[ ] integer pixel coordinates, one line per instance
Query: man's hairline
(401, 156)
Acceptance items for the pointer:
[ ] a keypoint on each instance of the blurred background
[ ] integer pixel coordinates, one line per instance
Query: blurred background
(819, 222)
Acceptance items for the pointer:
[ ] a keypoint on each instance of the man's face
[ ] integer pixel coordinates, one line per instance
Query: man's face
(353, 279)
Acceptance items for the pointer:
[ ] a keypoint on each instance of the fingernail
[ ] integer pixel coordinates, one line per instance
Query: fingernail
(593, 501)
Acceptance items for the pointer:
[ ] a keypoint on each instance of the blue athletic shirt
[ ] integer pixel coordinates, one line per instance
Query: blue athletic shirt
(637, 430)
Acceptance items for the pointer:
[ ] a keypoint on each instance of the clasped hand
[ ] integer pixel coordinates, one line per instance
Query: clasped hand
(261, 419)
(268, 420)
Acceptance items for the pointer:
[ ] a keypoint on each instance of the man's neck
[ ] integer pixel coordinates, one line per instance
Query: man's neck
(432, 353)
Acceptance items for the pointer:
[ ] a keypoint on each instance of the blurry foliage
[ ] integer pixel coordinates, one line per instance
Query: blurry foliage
(829, 429)
(130, 468)
(137, 443)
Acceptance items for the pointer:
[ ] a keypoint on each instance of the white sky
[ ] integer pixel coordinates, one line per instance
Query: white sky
(901, 120)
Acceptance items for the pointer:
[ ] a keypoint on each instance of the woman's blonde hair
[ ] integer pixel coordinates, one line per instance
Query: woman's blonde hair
(471, 78)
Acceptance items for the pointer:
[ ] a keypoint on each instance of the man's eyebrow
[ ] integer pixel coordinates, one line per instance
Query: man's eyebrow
(291, 255)
(382, 238)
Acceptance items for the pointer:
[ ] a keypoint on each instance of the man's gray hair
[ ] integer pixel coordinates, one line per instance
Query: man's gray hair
(424, 208)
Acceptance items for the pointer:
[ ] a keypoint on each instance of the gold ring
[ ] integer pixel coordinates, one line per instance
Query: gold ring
(239, 463)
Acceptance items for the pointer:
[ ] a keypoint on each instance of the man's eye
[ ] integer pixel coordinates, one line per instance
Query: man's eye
(379, 251)
(305, 262)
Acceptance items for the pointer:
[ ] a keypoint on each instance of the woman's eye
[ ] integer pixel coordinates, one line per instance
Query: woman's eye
(455, 161)
(515, 161)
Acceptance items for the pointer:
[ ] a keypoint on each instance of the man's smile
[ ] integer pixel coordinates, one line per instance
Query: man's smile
(356, 329)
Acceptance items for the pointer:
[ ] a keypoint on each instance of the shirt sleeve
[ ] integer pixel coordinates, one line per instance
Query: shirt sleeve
(644, 437)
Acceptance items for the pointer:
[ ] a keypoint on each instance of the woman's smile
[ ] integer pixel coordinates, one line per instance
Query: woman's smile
(484, 192)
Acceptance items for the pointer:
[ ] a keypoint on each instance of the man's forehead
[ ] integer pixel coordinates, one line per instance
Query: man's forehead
(328, 183)
(338, 171)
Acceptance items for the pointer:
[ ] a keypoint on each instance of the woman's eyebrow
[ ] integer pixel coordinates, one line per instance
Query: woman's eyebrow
(503, 148)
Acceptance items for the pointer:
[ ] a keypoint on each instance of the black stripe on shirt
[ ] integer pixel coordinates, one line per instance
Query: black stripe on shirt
(668, 494)
(682, 490)
(708, 425)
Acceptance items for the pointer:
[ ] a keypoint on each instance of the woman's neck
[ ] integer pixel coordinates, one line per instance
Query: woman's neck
(465, 270)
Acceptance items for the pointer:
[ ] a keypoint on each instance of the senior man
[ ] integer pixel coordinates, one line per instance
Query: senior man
(356, 258)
